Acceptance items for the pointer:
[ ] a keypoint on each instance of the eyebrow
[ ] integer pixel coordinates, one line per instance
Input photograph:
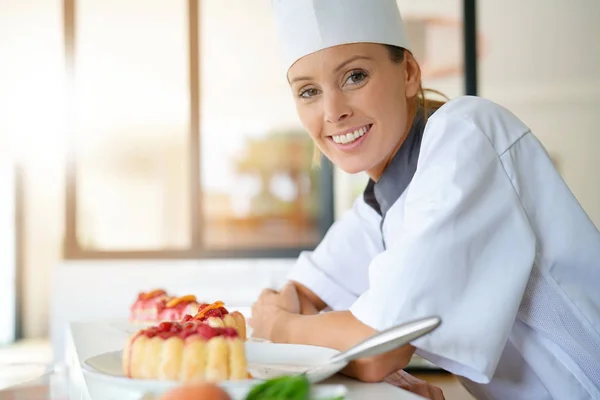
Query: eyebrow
(336, 69)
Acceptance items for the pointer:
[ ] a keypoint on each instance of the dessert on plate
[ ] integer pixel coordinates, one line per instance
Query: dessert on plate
(217, 316)
(157, 306)
(191, 351)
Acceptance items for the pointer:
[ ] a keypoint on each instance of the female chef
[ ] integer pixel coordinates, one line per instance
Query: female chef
(464, 217)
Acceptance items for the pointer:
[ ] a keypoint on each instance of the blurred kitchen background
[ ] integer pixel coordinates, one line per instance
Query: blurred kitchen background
(152, 143)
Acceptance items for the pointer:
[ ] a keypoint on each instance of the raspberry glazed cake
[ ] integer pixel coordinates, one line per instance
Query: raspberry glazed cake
(156, 306)
(144, 307)
(187, 352)
(217, 316)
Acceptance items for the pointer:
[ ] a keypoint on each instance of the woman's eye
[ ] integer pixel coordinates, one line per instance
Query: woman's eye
(308, 93)
(356, 77)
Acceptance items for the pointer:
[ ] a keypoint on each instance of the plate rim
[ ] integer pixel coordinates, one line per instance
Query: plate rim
(159, 386)
(89, 369)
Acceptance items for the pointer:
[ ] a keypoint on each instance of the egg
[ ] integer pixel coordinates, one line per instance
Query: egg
(198, 391)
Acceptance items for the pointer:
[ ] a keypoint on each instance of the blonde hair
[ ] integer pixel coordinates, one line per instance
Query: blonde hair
(428, 105)
(397, 55)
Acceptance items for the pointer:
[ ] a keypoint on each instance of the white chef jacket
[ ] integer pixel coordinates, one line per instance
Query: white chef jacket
(487, 236)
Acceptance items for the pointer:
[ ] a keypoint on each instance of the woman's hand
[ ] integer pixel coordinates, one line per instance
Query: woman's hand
(310, 303)
(270, 309)
(338, 330)
(408, 382)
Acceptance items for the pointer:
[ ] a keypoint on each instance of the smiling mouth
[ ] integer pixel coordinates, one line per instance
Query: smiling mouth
(351, 136)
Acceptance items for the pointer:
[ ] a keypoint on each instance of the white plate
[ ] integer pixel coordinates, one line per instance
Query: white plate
(265, 360)
(268, 360)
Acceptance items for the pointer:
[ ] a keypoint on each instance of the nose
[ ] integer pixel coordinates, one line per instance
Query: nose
(337, 108)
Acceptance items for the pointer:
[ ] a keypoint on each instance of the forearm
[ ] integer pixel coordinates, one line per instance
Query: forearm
(377, 368)
(341, 330)
(336, 329)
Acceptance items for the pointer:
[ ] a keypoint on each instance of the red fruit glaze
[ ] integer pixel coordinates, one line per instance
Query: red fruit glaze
(167, 330)
(216, 313)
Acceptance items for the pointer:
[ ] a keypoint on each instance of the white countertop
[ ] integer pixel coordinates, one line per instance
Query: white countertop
(88, 339)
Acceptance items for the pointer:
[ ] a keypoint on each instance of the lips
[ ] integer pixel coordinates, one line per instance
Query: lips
(351, 135)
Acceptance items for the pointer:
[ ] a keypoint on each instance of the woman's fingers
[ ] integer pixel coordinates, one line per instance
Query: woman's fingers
(290, 300)
(414, 385)
(435, 393)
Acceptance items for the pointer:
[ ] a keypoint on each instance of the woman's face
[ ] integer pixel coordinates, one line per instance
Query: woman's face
(354, 101)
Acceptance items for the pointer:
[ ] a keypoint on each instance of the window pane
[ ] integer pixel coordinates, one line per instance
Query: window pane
(258, 187)
(435, 31)
(132, 100)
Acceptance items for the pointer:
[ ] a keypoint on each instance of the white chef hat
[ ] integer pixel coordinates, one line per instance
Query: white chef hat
(307, 26)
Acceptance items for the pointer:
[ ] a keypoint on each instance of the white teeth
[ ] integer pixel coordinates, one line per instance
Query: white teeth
(350, 137)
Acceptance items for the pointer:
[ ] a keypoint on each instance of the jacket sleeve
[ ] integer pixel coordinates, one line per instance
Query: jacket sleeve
(337, 270)
(463, 252)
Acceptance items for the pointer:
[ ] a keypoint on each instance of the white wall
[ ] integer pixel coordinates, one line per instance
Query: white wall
(542, 61)
(31, 128)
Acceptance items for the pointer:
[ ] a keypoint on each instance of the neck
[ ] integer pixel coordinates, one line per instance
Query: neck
(376, 172)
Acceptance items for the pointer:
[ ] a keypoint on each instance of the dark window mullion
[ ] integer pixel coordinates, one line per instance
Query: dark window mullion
(326, 196)
(470, 46)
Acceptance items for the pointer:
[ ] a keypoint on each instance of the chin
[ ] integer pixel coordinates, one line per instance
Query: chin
(352, 164)
(352, 171)
(351, 167)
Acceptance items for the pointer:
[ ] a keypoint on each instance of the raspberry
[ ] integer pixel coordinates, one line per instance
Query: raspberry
(165, 326)
(184, 334)
(207, 331)
(189, 326)
(165, 335)
(151, 332)
(230, 332)
(213, 313)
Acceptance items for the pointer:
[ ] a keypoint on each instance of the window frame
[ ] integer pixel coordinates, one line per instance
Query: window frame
(72, 250)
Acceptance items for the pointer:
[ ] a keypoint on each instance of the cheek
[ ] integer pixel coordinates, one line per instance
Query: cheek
(386, 104)
(383, 102)
(311, 120)
(395, 95)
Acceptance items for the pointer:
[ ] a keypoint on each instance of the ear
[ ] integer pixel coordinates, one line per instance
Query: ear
(412, 74)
